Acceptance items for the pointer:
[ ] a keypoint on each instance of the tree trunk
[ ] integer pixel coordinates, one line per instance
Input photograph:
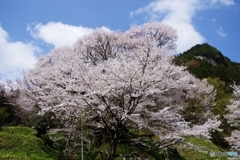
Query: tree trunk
(82, 139)
(113, 150)
(114, 144)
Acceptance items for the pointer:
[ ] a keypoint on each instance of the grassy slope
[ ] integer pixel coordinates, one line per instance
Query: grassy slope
(192, 149)
(21, 143)
(201, 152)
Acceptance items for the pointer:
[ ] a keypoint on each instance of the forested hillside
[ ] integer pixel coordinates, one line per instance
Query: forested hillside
(205, 61)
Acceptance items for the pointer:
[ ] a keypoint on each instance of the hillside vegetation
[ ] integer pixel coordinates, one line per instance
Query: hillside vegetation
(21, 143)
(204, 61)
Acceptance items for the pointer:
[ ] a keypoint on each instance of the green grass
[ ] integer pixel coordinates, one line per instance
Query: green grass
(18, 143)
(201, 152)
(126, 150)
(193, 148)
(21, 143)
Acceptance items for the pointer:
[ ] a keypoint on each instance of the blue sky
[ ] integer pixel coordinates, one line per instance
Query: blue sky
(29, 28)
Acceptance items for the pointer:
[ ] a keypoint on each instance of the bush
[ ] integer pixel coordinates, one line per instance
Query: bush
(219, 140)
(41, 126)
(47, 141)
(3, 116)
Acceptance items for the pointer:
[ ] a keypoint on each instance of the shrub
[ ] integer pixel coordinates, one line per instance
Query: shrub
(219, 140)
(3, 116)
(41, 126)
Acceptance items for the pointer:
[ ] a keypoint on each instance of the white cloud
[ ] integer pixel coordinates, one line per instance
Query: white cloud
(221, 32)
(187, 36)
(214, 20)
(15, 56)
(222, 2)
(179, 15)
(57, 33)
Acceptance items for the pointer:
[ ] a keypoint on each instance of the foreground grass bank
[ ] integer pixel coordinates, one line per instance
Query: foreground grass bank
(198, 149)
(21, 143)
(18, 143)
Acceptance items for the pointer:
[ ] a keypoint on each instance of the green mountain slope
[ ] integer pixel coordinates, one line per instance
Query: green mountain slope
(204, 61)
(21, 143)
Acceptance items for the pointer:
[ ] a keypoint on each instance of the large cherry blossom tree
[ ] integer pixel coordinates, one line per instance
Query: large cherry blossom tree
(120, 82)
